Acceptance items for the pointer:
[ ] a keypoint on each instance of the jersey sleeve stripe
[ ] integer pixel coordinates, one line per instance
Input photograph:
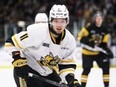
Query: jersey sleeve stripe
(83, 33)
(24, 36)
(67, 62)
(69, 70)
(106, 37)
(8, 45)
(16, 42)
(88, 52)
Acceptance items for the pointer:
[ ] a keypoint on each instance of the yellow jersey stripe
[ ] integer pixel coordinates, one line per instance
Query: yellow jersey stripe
(54, 40)
(66, 70)
(23, 38)
(84, 76)
(82, 33)
(106, 37)
(8, 45)
(107, 75)
(84, 81)
(22, 82)
(24, 35)
(87, 52)
(106, 80)
(67, 61)
(16, 42)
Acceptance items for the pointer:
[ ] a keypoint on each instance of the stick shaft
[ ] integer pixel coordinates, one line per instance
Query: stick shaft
(44, 79)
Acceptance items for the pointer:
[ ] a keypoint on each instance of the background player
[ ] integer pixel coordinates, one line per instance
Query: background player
(93, 36)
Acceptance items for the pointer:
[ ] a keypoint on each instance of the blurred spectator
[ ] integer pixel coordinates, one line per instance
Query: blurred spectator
(13, 11)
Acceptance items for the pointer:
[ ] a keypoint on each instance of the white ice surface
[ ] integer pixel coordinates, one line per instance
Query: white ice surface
(94, 80)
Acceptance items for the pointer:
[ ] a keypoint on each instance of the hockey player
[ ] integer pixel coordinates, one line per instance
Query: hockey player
(41, 48)
(94, 39)
(40, 18)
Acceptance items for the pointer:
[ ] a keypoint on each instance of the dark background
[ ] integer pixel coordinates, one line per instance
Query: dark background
(81, 11)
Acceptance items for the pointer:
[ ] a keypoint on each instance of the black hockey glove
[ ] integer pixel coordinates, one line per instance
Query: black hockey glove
(20, 65)
(108, 54)
(54, 76)
(74, 83)
(71, 81)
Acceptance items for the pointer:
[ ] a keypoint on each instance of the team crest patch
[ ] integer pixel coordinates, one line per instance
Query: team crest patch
(51, 59)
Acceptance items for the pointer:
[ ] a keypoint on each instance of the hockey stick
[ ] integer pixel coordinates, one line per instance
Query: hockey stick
(96, 48)
(47, 80)
(101, 50)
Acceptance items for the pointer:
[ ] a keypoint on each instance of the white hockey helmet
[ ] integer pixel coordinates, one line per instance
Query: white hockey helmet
(41, 18)
(59, 11)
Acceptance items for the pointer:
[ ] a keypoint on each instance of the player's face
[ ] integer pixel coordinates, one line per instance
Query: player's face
(59, 25)
(99, 21)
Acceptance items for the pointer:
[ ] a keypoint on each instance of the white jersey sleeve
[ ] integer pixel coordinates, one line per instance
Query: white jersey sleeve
(9, 48)
(32, 37)
(29, 43)
(37, 33)
(20, 40)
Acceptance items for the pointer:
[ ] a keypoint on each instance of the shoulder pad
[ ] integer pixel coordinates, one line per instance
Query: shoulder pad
(37, 33)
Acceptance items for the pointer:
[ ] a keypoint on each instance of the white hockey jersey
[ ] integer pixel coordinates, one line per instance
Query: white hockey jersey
(36, 43)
